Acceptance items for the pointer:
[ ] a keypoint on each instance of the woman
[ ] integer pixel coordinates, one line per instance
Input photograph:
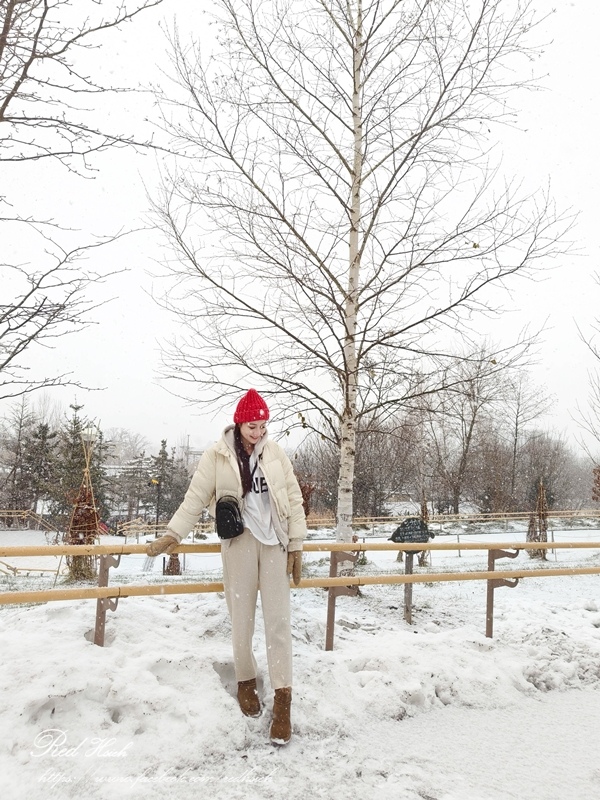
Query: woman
(249, 466)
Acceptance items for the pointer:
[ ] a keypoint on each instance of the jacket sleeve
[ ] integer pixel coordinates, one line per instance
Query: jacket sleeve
(297, 520)
(199, 495)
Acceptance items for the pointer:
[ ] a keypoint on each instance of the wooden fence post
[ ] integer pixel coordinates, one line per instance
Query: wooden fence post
(408, 587)
(334, 591)
(104, 603)
(494, 584)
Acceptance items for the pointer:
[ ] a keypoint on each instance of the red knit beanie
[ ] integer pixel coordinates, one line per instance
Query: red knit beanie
(251, 408)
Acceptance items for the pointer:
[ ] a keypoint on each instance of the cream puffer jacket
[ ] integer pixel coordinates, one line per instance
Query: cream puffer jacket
(218, 474)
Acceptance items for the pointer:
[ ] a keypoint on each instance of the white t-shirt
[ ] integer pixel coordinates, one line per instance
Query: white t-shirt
(257, 507)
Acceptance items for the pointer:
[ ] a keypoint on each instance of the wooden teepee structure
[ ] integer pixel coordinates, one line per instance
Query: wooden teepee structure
(84, 524)
(538, 523)
(424, 555)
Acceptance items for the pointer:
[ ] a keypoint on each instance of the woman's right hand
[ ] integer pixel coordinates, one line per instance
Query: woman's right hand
(166, 544)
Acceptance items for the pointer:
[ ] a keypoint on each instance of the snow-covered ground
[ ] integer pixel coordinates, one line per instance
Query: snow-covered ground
(432, 711)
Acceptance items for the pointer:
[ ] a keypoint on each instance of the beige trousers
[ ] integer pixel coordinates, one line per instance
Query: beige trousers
(247, 566)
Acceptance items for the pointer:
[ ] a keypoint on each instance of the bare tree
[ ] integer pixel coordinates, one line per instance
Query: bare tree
(384, 471)
(522, 404)
(125, 445)
(43, 115)
(455, 415)
(42, 302)
(547, 457)
(487, 485)
(316, 463)
(384, 467)
(589, 419)
(42, 90)
(341, 220)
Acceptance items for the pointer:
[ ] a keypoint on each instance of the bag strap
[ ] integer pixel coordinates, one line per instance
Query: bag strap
(252, 471)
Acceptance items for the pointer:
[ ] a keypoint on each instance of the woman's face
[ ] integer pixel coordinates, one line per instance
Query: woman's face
(252, 432)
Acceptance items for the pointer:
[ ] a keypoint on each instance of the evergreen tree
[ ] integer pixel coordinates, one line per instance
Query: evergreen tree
(130, 493)
(70, 464)
(39, 461)
(168, 483)
(180, 479)
(16, 480)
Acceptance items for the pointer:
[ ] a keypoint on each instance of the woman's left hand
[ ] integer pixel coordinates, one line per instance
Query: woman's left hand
(294, 565)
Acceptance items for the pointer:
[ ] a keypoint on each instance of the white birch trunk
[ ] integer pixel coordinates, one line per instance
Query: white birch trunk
(348, 420)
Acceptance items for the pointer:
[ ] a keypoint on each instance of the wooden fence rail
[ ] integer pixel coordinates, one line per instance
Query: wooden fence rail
(309, 547)
(132, 590)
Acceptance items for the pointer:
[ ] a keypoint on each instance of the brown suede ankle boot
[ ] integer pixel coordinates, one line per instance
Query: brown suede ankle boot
(281, 727)
(248, 698)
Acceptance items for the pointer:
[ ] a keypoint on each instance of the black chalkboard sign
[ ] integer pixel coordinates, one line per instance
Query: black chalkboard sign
(411, 530)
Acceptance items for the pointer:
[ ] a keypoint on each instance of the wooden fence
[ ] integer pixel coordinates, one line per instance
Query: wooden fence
(12, 518)
(108, 596)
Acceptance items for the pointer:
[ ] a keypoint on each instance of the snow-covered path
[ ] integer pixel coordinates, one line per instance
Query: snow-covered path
(543, 748)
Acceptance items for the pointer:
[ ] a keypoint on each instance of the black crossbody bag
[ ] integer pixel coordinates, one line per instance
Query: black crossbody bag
(228, 518)
(228, 515)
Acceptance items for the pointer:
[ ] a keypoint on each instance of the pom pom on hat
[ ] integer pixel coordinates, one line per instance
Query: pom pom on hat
(251, 408)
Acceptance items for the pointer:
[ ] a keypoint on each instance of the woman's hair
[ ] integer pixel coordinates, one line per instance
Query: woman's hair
(243, 462)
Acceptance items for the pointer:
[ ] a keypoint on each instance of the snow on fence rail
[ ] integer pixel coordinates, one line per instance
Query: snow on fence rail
(137, 527)
(107, 597)
(496, 516)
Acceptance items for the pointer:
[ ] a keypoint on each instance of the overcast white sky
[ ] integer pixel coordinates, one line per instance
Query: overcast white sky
(557, 141)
